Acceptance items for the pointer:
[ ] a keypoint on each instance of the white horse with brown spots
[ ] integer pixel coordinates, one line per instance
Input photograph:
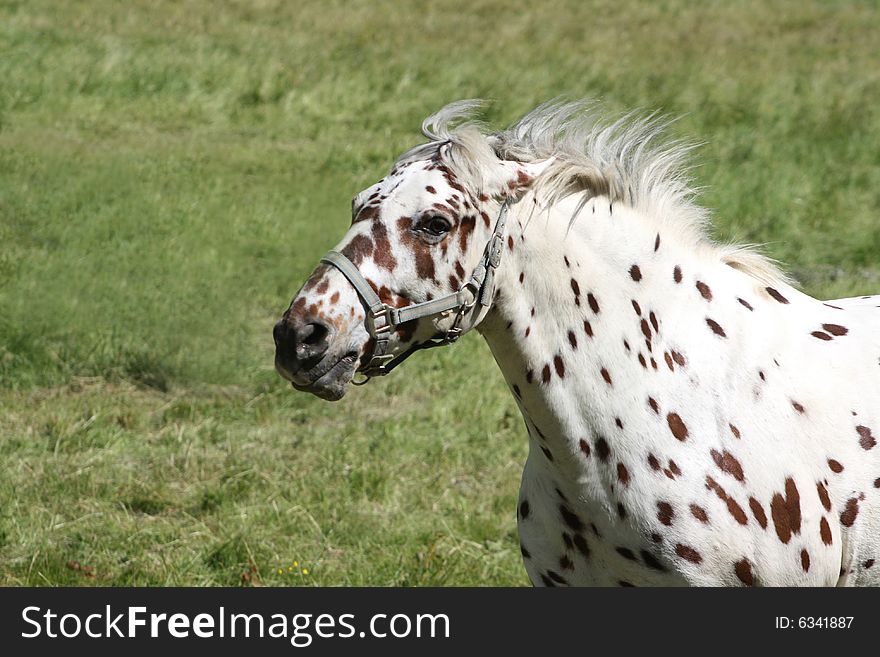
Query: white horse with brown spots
(693, 419)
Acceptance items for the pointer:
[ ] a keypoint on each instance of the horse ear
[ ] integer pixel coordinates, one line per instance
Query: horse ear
(516, 177)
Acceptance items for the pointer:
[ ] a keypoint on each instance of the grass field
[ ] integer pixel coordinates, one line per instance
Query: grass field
(171, 171)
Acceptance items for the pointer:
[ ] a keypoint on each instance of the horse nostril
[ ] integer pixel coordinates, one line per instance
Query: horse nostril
(314, 334)
(312, 342)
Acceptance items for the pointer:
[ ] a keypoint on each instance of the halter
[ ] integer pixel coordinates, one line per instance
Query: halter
(383, 319)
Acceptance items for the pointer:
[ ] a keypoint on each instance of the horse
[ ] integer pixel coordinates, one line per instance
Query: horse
(693, 418)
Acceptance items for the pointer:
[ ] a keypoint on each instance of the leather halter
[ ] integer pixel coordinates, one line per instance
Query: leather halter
(382, 319)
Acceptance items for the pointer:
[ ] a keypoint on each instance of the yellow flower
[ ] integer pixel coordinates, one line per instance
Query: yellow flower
(296, 564)
(305, 571)
(280, 571)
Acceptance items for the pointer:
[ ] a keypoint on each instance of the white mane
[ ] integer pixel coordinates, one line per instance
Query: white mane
(627, 160)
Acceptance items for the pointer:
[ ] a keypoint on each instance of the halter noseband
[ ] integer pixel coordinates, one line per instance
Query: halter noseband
(383, 319)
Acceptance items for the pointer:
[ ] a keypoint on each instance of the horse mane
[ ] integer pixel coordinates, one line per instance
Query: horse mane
(628, 160)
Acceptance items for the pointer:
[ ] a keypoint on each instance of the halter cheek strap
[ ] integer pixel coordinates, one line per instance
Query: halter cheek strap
(382, 319)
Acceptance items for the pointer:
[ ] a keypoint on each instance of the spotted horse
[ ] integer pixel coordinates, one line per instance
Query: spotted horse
(693, 419)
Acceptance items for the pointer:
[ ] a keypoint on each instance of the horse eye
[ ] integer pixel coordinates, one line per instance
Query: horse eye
(436, 225)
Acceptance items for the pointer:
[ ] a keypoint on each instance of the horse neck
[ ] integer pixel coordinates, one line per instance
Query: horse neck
(586, 311)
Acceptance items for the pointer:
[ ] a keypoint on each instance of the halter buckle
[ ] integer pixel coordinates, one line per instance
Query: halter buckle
(375, 327)
(496, 247)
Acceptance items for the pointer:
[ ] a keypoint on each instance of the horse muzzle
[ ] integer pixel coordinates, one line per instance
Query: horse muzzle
(305, 357)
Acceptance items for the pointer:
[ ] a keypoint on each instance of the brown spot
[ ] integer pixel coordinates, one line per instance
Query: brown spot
(465, 229)
(588, 329)
(668, 360)
(545, 374)
(334, 297)
(716, 327)
(775, 294)
(606, 376)
(572, 340)
(797, 406)
(745, 303)
(820, 335)
(556, 577)
(679, 358)
(805, 561)
(734, 431)
(665, 514)
(565, 563)
(571, 518)
(705, 290)
(653, 404)
(560, 366)
(626, 553)
(656, 537)
(823, 495)
(637, 308)
(654, 321)
(618, 422)
(835, 329)
(688, 553)
(653, 462)
(359, 248)
(430, 189)
(835, 466)
(866, 438)
(581, 544)
(575, 288)
(642, 360)
(825, 531)
(635, 273)
(786, 511)
(585, 447)
(743, 570)
(602, 449)
(676, 274)
(732, 506)
(594, 305)
(657, 243)
(673, 467)
(848, 517)
(622, 474)
(652, 562)
(868, 564)
(677, 426)
(728, 463)
(646, 331)
(699, 513)
(383, 257)
(758, 512)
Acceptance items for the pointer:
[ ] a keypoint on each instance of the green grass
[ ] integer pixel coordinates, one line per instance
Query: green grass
(169, 174)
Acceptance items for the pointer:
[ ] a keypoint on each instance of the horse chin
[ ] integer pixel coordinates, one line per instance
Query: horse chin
(333, 384)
